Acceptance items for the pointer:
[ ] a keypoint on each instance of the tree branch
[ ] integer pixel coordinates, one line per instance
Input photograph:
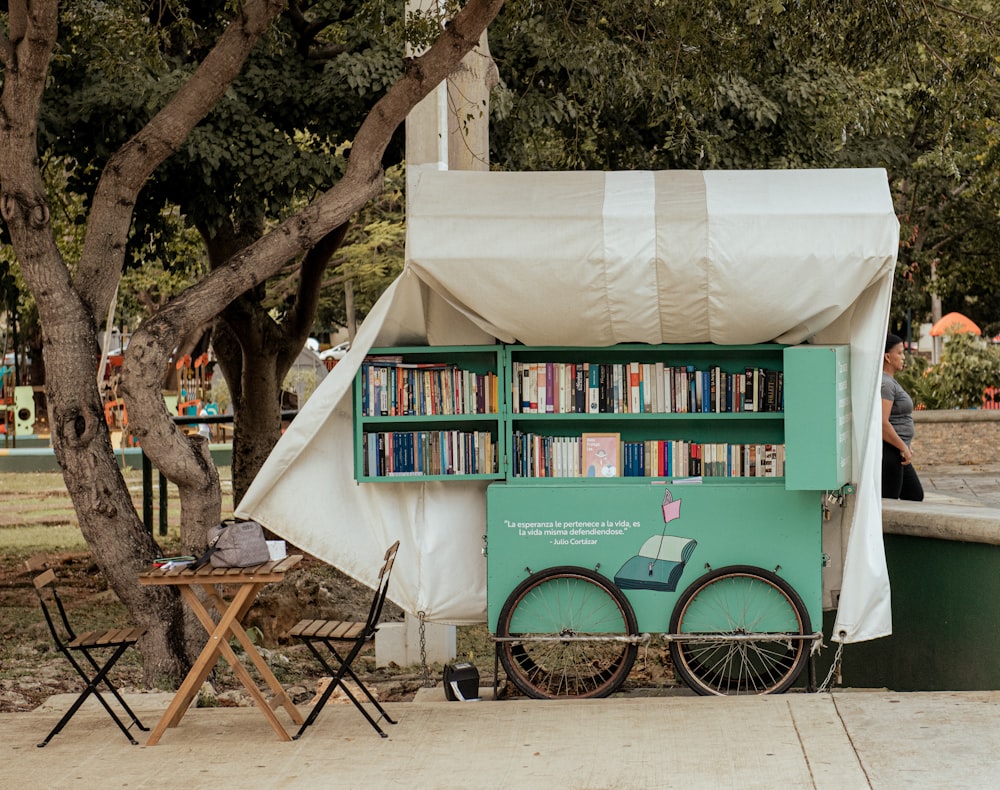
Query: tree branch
(424, 73)
(981, 20)
(151, 345)
(23, 202)
(308, 31)
(127, 170)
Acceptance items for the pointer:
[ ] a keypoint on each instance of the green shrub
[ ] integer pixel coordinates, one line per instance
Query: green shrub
(968, 365)
(914, 378)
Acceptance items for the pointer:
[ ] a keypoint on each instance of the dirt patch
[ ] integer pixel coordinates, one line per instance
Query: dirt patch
(32, 670)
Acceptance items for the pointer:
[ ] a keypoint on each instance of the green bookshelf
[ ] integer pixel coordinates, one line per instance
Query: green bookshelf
(677, 411)
(529, 413)
(429, 413)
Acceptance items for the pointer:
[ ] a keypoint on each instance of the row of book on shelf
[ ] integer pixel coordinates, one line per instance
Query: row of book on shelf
(413, 453)
(641, 387)
(392, 387)
(605, 455)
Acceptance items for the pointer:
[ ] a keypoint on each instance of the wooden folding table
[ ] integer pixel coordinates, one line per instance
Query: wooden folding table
(246, 582)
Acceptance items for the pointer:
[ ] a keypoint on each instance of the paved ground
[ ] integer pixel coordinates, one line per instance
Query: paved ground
(975, 484)
(840, 741)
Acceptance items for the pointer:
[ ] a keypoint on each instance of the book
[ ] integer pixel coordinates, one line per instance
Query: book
(543, 383)
(634, 392)
(593, 388)
(660, 402)
(552, 387)
(168, 563)
(559, 387)
(601, 454)
(770, 397)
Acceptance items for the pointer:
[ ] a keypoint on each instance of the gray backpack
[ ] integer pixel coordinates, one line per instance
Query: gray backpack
(236, 544)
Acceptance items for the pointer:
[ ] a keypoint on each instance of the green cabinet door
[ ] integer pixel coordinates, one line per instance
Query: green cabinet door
(817, 417)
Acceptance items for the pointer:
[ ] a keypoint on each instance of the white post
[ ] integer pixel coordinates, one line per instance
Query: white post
(400, 643)
(443, 116)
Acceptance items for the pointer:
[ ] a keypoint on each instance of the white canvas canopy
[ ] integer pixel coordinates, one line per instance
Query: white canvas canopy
(593, 259)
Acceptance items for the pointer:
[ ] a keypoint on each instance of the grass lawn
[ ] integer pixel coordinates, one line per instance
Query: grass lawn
(37, 515)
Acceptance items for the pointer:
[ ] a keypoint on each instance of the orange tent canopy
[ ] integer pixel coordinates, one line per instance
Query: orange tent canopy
(955, 322)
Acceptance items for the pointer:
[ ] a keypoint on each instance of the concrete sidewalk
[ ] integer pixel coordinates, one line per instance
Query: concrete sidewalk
(968, 484)
(843, 740)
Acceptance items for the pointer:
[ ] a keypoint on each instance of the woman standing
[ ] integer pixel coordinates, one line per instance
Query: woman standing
(899, 478)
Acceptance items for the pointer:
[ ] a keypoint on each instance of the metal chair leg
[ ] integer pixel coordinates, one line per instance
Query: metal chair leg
(113, 690)
(337, 678)
(91, 688)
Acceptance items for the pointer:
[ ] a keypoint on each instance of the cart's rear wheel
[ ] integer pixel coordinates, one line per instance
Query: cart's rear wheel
(731, 603)
(574, 615)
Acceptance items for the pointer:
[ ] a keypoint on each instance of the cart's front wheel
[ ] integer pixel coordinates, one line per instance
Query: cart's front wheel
(744, 620)
(572, 621)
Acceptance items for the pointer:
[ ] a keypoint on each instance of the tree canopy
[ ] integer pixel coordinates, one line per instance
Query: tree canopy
(278, 137)
(909, 87)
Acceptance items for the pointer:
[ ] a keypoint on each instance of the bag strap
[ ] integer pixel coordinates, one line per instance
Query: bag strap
(212, 548)
(205, 558)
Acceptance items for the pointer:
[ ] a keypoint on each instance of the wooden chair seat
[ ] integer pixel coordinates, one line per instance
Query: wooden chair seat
(112, 638)
(327, 629)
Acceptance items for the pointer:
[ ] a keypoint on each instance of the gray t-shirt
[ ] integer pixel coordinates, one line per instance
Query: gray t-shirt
(901, 416)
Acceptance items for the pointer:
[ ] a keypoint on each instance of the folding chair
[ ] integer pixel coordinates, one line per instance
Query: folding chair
(72, 645)
(326, 632)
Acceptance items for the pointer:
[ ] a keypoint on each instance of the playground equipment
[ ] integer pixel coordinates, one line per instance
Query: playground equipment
(17, 407)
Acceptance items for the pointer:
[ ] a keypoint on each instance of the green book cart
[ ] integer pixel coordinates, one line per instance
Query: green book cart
(639, 491)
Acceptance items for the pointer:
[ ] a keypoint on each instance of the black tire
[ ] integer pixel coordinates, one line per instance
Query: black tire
(733, 602)
(567, 601)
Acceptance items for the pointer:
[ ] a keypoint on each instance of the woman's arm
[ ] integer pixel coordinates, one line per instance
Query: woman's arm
(889, 434)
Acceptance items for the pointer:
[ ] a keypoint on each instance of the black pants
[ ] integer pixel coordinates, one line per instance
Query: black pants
(899, 481)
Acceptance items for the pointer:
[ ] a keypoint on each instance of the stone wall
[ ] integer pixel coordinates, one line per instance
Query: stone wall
(970, 436)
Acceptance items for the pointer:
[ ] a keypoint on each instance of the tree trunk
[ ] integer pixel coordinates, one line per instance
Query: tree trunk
(259, 426)
(80, 436)
(255, 352)
(253, 364)
(120, 544)
(108, 520)
(310, 229)
(67, 306)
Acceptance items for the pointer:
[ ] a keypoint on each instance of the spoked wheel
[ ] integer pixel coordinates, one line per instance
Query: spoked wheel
(753, 613)
(573, 621)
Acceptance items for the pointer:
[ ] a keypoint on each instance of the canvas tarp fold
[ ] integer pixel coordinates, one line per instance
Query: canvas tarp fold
(593, 259)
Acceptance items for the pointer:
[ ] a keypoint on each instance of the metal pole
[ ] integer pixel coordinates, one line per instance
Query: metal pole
(147, 493)
(163, 504)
